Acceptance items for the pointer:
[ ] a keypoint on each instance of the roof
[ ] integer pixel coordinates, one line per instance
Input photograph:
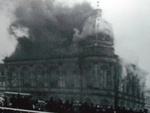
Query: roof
(16, 93)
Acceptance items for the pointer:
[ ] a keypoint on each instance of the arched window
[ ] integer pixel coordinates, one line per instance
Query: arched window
(103, 77)
(2, 77)
(26, 76)
(53, 76)
(13, 77)
(122, 103)
(88, 100)
(40, 76)
(68, 75)
(48, 70)
(133, 85)
(47, 75)
(90, 72)
(77, 77)
(104, 103)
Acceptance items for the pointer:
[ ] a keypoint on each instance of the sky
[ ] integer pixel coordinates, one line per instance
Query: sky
(130, 20)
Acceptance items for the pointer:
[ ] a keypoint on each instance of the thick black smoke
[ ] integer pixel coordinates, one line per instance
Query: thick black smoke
(50, 27)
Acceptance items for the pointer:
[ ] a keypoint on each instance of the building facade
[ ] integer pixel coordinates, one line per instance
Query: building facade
(132, 85)
(93, 74)
(147, 99)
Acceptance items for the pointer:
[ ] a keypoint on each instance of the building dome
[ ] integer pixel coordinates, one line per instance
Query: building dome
(96, 30)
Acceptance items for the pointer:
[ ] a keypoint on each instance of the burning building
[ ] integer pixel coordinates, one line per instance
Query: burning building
(86, 70)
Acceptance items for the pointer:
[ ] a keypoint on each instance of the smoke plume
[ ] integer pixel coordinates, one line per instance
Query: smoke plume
(47, 28)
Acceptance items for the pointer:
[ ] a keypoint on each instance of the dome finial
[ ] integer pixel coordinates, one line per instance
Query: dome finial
(97, 21)
(98, 9)
(98, 2)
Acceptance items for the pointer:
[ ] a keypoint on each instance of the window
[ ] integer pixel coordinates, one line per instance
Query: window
(53, 81)
(90, 72)
(14, 77)
(27, 78)
(103, 77)
(62, 81)
(105, 103)
(40, 76)
(77, 81)
(14, 81)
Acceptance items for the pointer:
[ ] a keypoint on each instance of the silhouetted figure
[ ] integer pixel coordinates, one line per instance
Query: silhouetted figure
(13, 101)
(5, 101)
(145, 110)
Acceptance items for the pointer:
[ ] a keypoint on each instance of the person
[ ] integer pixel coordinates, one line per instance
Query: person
(13, 101)
(145, 110)
(5, 101)
(2, 101)
(110, 110)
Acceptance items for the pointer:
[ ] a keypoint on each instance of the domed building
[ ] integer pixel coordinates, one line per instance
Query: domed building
(97, 30)
(93, 75)
(97, 34)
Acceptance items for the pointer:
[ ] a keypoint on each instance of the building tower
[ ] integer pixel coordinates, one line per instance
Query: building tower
(100, 65)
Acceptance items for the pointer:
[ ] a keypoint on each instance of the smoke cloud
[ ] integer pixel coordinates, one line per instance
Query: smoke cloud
(44, 28)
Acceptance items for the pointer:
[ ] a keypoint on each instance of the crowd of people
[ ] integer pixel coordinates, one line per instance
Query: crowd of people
(78, 107)
(58, 106)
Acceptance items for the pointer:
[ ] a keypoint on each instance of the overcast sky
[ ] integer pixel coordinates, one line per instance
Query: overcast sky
(130, 20)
